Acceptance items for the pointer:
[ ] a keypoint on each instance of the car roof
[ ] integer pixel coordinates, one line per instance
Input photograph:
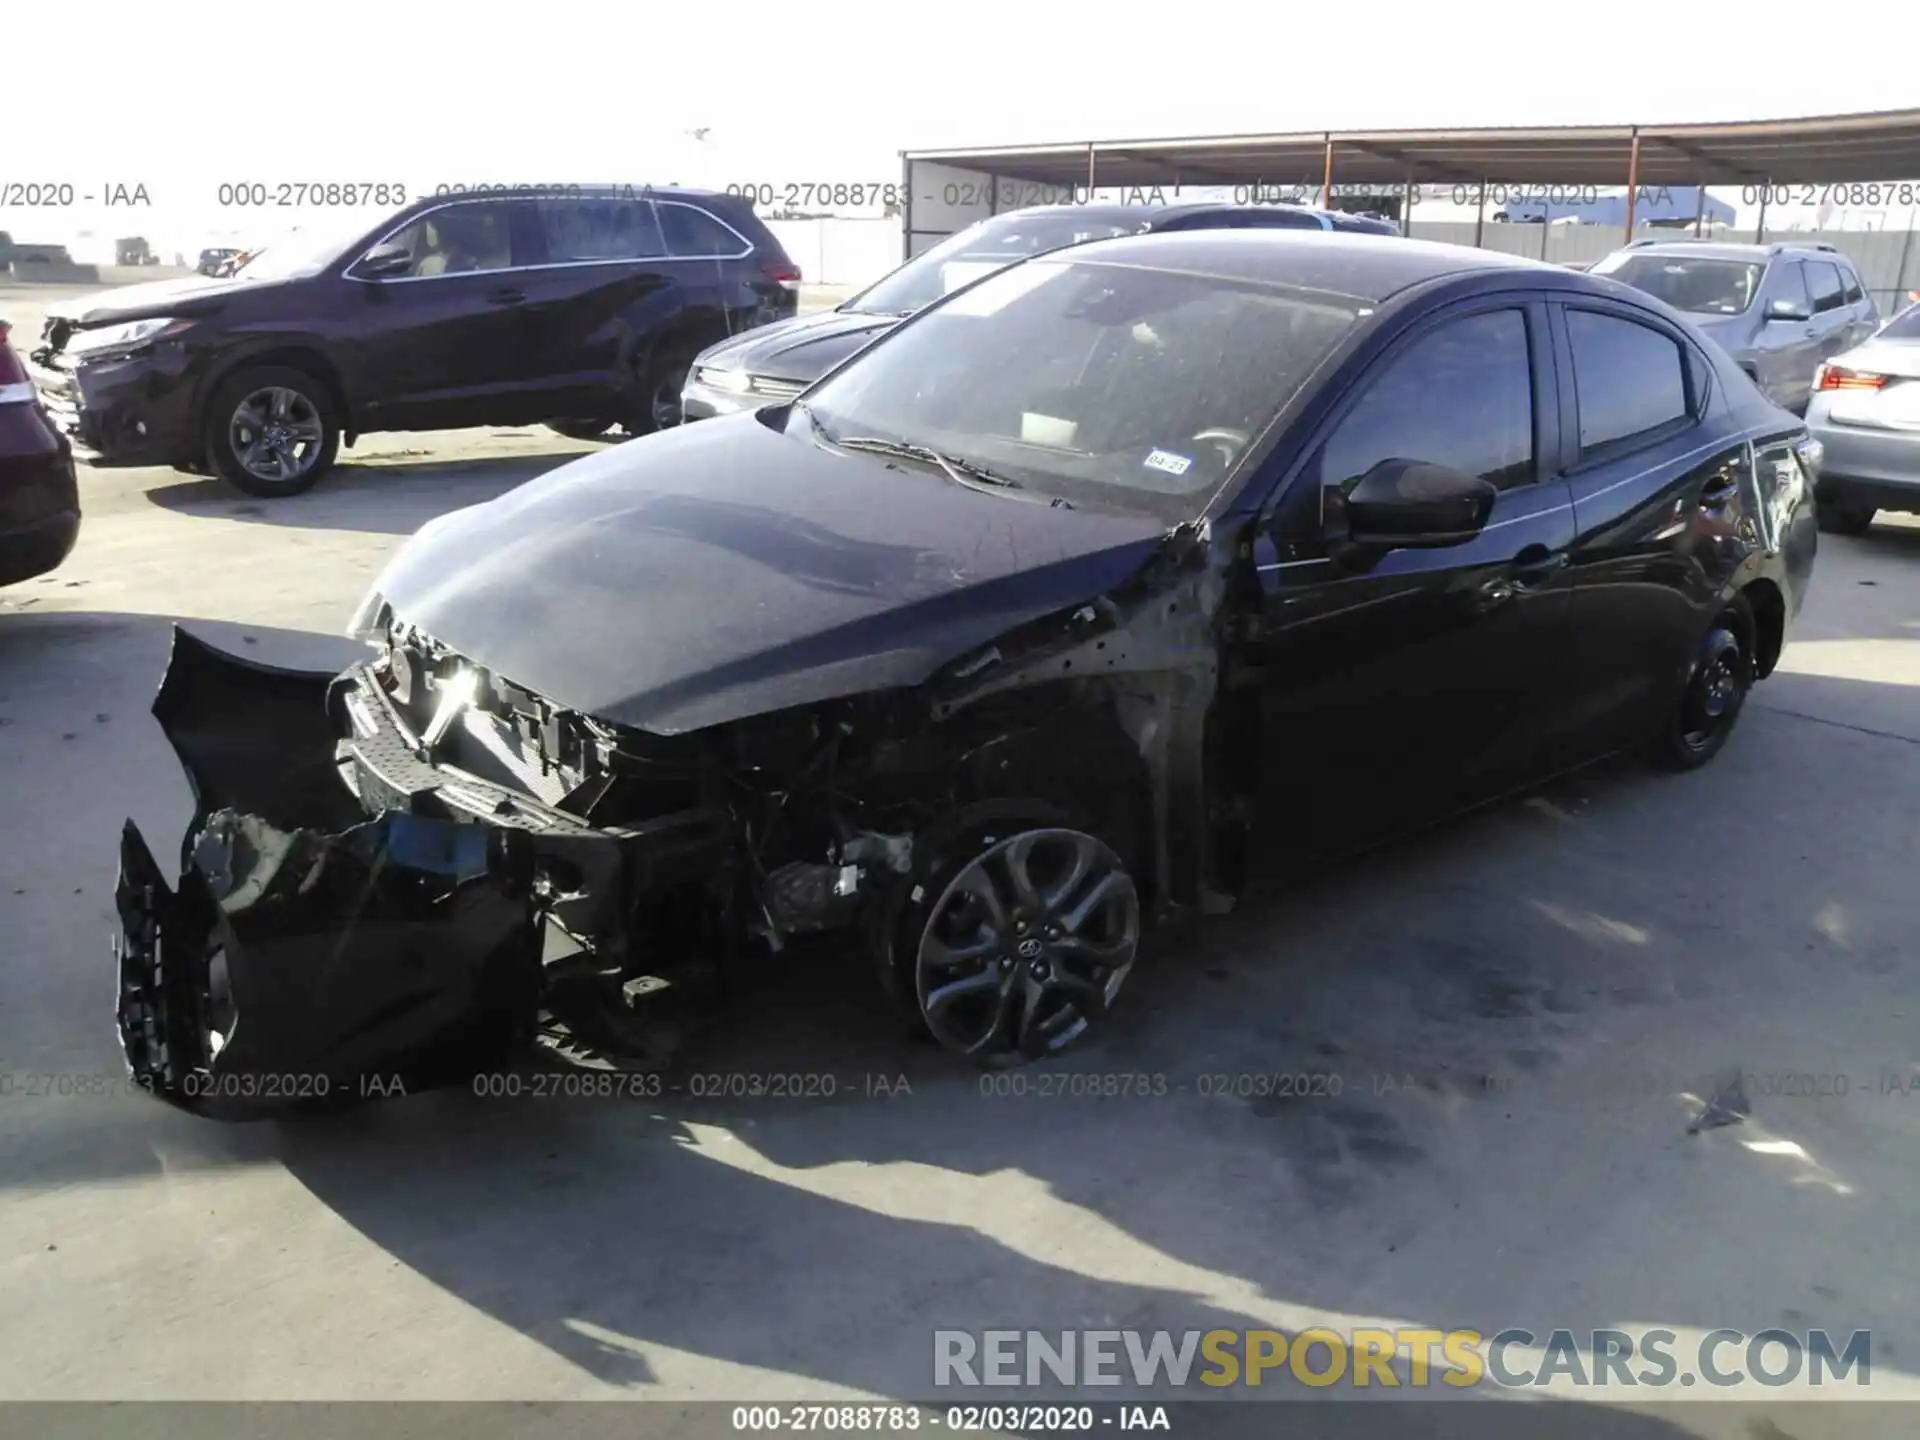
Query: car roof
(1728, 249)
(638, 190)
(1157, 215)
(1311, 259)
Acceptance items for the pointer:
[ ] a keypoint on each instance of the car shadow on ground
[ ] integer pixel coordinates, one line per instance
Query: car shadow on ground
(1449, 982)
(379, 495)
(1453, 1007)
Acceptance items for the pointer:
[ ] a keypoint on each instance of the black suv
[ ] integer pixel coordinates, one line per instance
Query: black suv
(582, 307)
(777, 364)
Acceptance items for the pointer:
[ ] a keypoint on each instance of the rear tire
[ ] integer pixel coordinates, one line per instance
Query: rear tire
(1716, 692)
(657, 401)
(580, 429)
(271, 431)
(1836, 517)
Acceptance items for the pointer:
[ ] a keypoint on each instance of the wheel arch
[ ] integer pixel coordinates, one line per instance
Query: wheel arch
(306, 358)
(1081, 759)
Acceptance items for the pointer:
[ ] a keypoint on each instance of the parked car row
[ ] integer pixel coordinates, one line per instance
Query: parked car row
(1099, 590)
(583, 309)
(777, 362)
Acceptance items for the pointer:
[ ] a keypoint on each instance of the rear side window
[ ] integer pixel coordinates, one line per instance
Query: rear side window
(1823, 280)
(691, 233)
(1854, 293)
(1461, 396)
(1629, 380)
(589, 229)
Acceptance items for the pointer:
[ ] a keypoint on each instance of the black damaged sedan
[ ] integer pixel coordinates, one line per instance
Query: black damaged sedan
(1098, 593)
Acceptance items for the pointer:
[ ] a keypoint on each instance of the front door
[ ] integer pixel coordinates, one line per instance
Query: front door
(1788, 349)
(1406, 683)
(443, 344)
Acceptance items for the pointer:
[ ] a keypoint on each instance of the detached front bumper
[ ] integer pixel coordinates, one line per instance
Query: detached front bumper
(350, 920)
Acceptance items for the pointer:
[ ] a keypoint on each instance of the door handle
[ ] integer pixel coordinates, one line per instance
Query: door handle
(1536, 564)
(506, 296)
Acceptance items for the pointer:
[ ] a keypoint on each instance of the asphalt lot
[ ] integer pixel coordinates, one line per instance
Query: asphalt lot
(1524, 1010)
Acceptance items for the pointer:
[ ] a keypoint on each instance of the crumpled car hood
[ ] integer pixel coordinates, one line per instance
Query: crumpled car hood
(801, 349)
(723, 570)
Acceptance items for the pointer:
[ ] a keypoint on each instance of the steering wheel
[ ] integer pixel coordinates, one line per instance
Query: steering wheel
(1226, 440)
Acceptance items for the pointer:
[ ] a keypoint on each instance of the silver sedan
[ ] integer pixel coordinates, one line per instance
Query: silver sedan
(1865, 411)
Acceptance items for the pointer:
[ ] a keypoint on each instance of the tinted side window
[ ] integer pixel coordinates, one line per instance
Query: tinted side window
(459, 240)
(1823, 279)
(1461, 396)
(692, 233)
(1792, 283)
(1852, 281)
(1629, 379)
(1278, 220)
(590, 229)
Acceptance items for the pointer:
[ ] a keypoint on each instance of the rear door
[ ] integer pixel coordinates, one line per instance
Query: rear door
(1832, 317)
(1664, 504)
(1420, 680)
(440, 345)
(1863, 316)
(603, 285)
(727, 285)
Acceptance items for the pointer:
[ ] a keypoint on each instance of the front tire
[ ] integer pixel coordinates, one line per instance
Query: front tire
(271, 431)
(1837, 517)
(1716, 692)
(1012, 934)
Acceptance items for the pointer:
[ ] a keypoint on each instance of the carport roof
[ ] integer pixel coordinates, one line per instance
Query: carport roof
(1884, 145)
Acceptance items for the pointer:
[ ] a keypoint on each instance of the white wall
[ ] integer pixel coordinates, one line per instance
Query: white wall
(851, 253)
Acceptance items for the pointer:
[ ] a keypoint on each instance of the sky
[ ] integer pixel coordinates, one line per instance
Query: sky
(182, 101)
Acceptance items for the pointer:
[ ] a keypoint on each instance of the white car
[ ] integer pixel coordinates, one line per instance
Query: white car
(1865, 411)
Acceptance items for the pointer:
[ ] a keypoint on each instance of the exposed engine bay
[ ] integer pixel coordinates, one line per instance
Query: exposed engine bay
(401, 871)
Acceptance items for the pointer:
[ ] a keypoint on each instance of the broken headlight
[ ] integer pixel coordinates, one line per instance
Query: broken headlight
(125, 339)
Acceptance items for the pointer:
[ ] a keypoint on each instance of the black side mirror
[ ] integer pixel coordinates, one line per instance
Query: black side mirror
(382, 261)
(1409, 503)
(1789, 310)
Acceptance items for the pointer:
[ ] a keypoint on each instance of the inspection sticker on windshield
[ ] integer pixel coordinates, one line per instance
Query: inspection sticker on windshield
(1168, 461)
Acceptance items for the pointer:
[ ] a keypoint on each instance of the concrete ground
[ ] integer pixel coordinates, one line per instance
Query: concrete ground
(1524, 1011)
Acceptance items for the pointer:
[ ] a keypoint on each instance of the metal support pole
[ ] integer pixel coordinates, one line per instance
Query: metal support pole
(906, 208)
(1699, 208)
(1406, 207)
(1326, 178)
(1089, 170)
(1760, 226)
(1480, 215)
(1633, 179)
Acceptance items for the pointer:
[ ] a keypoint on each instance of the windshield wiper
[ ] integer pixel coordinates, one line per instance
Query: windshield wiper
(961, 472)
(814, 420)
